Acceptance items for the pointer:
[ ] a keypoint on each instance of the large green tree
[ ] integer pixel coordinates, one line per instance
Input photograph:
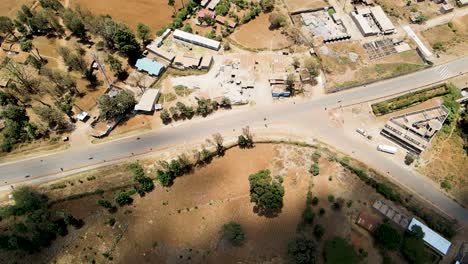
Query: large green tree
(387, 236)
(233, 232)
(339, 251)
(301, 251)
(266, 193)
(114, 107)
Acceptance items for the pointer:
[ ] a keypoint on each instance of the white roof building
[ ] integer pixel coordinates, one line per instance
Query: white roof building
(197, 40)
(382, 20)
(147, 100)
(431, 238)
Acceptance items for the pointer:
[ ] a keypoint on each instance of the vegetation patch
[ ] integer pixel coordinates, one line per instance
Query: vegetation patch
(409, 99)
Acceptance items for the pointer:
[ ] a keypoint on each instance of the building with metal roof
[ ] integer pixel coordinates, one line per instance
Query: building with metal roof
(197, 40)
(150, 66)
(382, 20)
(147, 100)
(431, 238)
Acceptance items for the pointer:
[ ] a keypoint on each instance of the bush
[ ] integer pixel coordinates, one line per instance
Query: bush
(233, 232)
(308, 215)
(315, 200)
(446, 185)
(331, 198)
(321, 211)
(319, 230)
(301, 251)
(104, 203)
(409, 158)
(123, 198)
(277, 20)
(387, 236)
(314, 169)
(439, 46)
(414, 250)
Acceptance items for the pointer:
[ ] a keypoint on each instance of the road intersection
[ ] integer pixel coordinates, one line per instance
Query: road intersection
(308, 115)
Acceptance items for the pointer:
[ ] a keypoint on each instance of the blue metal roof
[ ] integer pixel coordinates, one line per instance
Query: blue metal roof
(150, 66)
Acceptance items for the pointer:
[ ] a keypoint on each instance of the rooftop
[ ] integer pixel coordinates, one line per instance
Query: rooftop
(434, 240)
(147, 100)
(150, 66)
(197, 39)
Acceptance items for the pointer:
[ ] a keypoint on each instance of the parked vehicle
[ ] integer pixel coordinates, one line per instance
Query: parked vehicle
(361, 131)
(387, 149)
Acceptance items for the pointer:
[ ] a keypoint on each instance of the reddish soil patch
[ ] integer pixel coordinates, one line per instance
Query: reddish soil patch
(295, 5)
(9, 7)
(257, 35)
(154, 13)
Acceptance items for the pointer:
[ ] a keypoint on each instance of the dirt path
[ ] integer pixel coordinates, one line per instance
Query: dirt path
(442, 19)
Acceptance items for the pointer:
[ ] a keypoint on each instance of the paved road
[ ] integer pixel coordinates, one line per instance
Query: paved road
(309, 116)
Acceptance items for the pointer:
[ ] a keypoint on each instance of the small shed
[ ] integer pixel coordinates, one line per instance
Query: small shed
(446, 8)
(367, 221)
(82, 116)
(147, 100)
(150, 66)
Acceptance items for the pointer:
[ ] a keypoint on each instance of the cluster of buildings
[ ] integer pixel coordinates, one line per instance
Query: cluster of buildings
(414, 131)
(432, 239)
(325, 24)
(372, 20)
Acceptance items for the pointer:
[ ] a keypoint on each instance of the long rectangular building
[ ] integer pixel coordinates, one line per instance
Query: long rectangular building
(197, 40)
(431, 238)
(382, 20)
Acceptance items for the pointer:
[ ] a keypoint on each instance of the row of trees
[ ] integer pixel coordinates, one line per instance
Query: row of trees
(204, 108)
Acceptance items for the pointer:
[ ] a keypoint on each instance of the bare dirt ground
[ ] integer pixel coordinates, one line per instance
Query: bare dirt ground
(398, 10)
(181, 224)
(447, 160)
(341, 71)
(454, 37)
(9, 7)
(257, 35)
(294, 5)
(155, 14)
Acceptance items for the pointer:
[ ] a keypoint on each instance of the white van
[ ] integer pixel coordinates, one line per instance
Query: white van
(361, 131)
(387, 149)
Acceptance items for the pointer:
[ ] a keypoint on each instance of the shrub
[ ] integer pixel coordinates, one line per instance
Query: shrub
(409, 158)
(111, 221)
(308, 215)
(315, 200)
(439, 46)
(387, 236)
(104, 203)
(446, 185)
(321, 211)
(123, 198)
(331, 198)
(319, 230)
(301, 251)
(233, 232)
(314, 169)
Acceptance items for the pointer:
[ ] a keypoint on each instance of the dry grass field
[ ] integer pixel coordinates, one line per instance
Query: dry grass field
(452, 36)
(9, 7)
(154, 13)
(257, 35)
(181, 224)
(295, 5)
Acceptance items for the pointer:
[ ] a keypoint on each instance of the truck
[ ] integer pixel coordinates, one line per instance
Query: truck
(387, 149)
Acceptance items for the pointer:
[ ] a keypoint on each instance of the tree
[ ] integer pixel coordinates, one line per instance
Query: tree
(123, 198)
(126, 42)
(144, 183)
(52, 117)
(7, 26)
(246, 139)
(226, 103)
(387, 236)
(222, 8)
(73, 60)
(319, 230)
(112, 108)
(439, 46)
(25, 44)
(187, 28)
(338, 251)
(417, 232)
(267, 5)
(172, 3)
(276, 20)
(218, 139)
(312, 67)
(204, 106)
(314, 169)
(143, 32)
(301, 251)
(420, 19)
(266, 193)
(27, 200)
(73, 22)
(64, 82)
(165, 116)
(116, 67)
(414, 250)
(233, 232)
(409, 158)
